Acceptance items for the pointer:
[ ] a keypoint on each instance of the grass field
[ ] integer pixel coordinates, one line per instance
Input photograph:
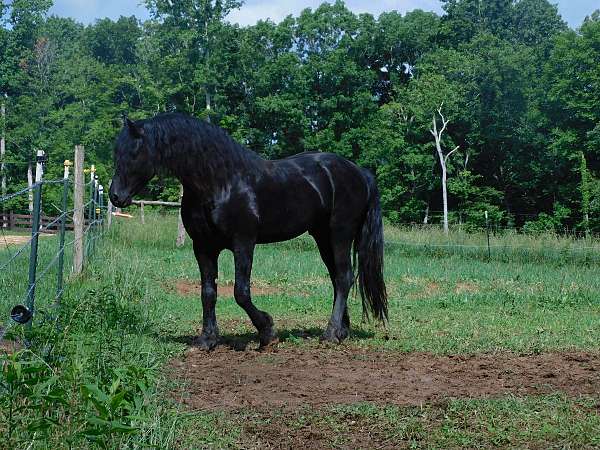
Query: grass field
(136, 310)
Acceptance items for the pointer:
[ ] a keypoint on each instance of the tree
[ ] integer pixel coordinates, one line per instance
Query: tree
(190, 29)
(438, 137)
(585, 193)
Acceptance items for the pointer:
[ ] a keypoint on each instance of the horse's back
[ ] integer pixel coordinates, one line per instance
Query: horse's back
(308, 191)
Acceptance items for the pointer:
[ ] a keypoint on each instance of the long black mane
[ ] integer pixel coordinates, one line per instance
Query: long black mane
(180, 142)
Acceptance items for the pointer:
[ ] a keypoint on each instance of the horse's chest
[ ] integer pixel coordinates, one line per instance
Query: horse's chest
(197, 222)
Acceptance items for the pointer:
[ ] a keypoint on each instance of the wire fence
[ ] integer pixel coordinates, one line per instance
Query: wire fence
(33, 260)
(499, 221)
(508, 244)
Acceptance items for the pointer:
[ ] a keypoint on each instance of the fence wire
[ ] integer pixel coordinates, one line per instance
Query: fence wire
(10, 277)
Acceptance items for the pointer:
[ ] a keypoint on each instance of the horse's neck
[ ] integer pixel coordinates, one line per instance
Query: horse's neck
(207, 170)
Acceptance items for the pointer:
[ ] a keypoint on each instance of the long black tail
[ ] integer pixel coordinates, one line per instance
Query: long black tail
(369, 245)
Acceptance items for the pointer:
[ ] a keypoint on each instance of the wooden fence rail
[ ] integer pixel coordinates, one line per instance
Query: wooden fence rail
(11, 221)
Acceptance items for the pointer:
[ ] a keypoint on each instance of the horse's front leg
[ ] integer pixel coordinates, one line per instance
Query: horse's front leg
(243, 255)
(208, 263)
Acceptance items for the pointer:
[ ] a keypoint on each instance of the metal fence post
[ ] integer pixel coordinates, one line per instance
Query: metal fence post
(35, 231)
(63, 222)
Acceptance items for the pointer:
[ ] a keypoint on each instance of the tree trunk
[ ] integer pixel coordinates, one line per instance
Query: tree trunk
(445, 196)
(438, 147)
(437, 135)
(208, 104)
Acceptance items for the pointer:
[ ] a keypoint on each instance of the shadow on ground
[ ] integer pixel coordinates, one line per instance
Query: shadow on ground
(240, 341)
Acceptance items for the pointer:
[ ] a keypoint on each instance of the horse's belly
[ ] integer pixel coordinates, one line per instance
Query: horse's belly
(284, 226)
(286, 220)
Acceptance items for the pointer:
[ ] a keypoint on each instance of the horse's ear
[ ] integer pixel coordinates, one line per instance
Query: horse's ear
(135, 130)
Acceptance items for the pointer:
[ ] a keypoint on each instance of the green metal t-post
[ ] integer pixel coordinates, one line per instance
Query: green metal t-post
(35, 231)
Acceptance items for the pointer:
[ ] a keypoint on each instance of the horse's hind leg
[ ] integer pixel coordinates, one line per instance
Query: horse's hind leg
(323, 241)
(208, 271)
(338, 328)
(243, 254)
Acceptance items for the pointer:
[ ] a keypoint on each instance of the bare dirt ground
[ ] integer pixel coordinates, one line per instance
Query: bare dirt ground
(8, 241)
(289, 378)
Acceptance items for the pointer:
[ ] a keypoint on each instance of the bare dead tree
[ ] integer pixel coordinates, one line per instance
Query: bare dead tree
(438, 136)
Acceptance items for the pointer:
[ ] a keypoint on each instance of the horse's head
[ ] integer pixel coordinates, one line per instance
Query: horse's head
(134, 164)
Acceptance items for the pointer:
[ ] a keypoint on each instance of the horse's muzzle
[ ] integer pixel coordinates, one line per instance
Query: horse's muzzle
(119, 199)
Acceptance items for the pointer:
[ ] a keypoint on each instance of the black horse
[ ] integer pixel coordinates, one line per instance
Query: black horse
(234, 199)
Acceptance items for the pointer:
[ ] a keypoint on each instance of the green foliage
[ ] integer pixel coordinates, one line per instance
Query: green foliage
(42, 402)
(549, 223)
(520, 91)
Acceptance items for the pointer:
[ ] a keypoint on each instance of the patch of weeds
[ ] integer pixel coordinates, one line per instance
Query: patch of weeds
(104, 308)
(49, 406)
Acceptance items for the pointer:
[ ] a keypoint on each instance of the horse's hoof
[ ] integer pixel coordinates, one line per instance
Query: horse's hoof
(270, 345)
(267, 335)
(207, 342)
(268, 339)
(335, 335)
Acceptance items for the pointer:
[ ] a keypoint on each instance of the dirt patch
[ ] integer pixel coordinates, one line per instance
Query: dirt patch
(429, 289)
(191, 288)
(466, 288)
(9, 347)
(292, 378)
(7, 241)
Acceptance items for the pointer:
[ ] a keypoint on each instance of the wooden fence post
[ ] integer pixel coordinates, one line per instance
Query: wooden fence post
(78, 216)
(180, 227)
(109, 211)
(2, 156)
(142, 213)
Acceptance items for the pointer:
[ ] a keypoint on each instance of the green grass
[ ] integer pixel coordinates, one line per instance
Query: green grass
(124, 314)
(543, 422)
